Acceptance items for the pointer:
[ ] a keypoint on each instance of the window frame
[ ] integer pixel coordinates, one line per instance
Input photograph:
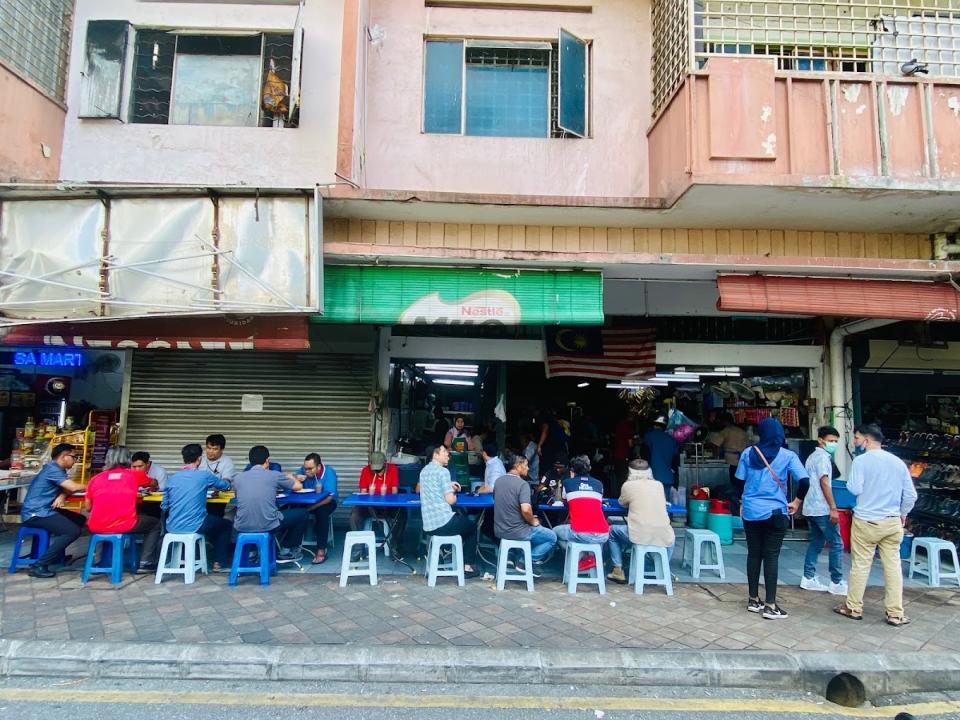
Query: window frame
(554, 130)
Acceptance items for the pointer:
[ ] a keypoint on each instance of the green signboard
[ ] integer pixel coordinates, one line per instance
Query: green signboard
(460, 296)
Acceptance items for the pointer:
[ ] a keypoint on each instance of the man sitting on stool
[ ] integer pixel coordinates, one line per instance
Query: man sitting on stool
(584, 497)
(42, 508)
(257, 511)
(378, 477)
(320, 478)
(438, 493)
(647, 520)
(185, 499)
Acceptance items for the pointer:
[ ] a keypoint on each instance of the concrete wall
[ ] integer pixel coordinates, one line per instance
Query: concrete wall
(104, 150)
(30, 124)
(612, 163)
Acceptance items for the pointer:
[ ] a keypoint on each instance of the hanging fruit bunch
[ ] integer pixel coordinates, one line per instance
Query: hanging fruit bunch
(639, 401)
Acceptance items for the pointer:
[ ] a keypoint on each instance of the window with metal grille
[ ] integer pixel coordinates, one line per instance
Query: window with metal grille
(506, 89)
(194, 79)
(35, 40)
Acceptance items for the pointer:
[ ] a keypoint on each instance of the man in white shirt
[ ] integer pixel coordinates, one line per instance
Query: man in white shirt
(885, 496)
(214, 459)
(822, 515)
(494, 466)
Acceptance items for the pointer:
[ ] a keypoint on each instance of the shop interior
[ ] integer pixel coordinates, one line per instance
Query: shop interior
(48, 394)
(506, 401)
(919, 411)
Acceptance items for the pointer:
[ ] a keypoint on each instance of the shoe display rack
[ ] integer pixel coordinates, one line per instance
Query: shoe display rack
(934, 461)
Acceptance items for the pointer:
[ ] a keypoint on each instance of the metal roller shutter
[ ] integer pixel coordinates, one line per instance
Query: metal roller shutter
(311, 403)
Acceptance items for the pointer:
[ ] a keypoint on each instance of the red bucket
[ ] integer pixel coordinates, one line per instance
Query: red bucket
(720, 507)
(846, 522)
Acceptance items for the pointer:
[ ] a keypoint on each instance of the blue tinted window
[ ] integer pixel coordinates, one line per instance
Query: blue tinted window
(508, 92)
(816, 65)
(443, 91)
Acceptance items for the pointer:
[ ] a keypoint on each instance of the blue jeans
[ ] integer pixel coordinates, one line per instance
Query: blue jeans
(620, 541)
(565, 534)
(823, 532)
(542, 541)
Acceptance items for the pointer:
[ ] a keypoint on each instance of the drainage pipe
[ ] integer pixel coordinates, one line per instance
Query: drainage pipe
(842, 413)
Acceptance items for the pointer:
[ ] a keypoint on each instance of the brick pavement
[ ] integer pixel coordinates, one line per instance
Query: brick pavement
(401, 610)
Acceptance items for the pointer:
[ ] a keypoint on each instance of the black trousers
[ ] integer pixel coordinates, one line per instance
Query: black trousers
(321, 522)
(467, 530)
(64, 527)
(764, 540)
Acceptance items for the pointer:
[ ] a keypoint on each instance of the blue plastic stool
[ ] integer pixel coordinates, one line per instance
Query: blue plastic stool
(40, 540)
(114, 545)
(267, 560)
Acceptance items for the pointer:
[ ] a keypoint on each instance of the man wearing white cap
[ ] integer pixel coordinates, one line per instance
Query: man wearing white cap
(662, 452)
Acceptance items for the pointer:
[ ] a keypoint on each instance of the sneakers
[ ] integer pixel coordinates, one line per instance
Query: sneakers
(41, 571)
(813, 584)
(148, 567)
(616, 575)
(754, 605)
(588, 562)
(285, 554)
(839, 588)
(774, 613)
(536, 570)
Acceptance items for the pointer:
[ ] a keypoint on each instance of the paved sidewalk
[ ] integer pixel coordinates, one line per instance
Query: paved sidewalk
(310, 608)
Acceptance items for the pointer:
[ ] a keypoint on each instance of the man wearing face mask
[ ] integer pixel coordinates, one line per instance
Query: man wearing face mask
(822, 515)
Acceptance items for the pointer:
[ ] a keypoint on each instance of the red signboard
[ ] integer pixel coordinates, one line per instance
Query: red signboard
(185, 333)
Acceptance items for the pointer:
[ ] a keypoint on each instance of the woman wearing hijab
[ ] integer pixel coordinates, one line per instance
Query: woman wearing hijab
(766, 469)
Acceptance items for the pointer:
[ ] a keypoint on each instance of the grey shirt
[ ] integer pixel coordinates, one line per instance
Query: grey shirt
(508, 494)
(257, 490)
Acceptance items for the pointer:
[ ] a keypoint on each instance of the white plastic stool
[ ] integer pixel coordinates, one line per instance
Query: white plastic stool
(454, 568)
(191, 555)
(385, 526)
(661, 568)
(361, 568)
(527, 575)
(571, 573)
(693, 554)
(930, 565)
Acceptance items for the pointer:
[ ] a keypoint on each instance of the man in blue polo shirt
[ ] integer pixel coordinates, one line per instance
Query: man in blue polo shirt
(42, 508)
(185, 498)
(322, 479)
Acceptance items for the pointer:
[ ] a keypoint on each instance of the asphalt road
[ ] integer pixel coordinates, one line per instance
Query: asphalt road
(52, 699)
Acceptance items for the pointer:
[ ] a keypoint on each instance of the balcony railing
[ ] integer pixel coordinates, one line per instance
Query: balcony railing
(912, 38)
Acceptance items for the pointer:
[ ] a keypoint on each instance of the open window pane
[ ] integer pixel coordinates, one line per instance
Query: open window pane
(508, 92)
(104, 55)
(572, 91)
(152, 76)
(443, 87)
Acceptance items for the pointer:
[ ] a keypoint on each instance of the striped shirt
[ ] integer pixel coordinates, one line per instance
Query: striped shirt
(584, 496)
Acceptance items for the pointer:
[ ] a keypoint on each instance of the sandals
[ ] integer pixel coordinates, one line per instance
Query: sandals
(320, 557)
(847, 612)
(898, 621)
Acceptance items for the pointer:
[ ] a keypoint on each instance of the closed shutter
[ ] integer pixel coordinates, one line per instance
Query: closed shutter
(311, 403)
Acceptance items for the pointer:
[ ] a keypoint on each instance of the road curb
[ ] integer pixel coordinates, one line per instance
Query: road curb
(881, 674)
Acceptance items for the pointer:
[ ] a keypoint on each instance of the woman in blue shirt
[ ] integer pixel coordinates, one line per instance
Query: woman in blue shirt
(766, 469)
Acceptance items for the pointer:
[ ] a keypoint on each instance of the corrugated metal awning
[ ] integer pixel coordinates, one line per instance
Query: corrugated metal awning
(889, 299)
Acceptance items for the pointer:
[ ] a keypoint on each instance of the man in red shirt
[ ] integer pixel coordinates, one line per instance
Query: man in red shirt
(584, 497)
(111, 500)
(381, 478)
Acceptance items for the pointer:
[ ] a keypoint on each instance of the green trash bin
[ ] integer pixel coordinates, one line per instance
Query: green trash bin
(722, 525)
(697, 513)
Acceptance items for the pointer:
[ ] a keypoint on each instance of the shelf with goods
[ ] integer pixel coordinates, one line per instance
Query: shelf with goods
(934, 462)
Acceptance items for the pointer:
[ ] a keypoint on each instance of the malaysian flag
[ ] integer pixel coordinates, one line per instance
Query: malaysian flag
(609, 353)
